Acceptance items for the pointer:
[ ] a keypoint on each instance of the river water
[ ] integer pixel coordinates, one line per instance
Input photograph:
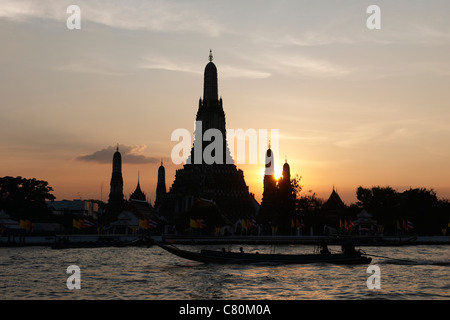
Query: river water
(141, 273)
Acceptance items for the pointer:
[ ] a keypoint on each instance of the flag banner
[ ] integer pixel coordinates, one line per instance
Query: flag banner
(152, 223)
(405, 226)
(409, 224)
(244, 224)
(274, 230)
(75, 224)
(201, 223)
(351, 225)
(300, 224)
(87, 224)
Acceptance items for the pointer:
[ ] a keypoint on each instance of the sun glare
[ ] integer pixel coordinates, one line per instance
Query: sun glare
(278, 172)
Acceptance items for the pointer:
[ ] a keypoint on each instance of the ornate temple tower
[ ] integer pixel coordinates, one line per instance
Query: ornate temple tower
(284, 183)
(286, 171)
(116, 198)
(278, 202)
(161, 185)
(220, 181)
(211, 116)
(286, 194)
(269, 202)
(270, 183)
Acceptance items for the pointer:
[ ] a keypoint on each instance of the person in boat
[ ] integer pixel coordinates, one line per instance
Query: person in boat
(324, 249)
(349, 249)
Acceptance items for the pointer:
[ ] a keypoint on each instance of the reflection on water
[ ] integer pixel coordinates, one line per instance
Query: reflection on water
(151, 273)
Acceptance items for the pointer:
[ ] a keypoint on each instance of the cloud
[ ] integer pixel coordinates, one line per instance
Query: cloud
(130, 155)
(225, 71)
(231, 72)
(156, 15)
(20, 10)
(169, 65)
(294, 64)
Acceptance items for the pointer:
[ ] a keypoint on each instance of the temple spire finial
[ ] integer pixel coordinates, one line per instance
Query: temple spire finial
(210, 56)
(117, 148)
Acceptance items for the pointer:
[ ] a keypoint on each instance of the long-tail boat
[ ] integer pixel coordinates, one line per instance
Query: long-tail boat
(349, 256)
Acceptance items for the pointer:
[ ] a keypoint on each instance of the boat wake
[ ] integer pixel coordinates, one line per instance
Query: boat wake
(419, 262)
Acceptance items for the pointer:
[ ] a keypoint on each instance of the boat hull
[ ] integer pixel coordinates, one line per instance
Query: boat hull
(210, 256)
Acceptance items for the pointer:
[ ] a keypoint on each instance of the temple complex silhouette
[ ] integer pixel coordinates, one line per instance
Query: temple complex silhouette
(218, 191)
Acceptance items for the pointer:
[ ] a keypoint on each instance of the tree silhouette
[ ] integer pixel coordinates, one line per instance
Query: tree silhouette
(25, 198)
(420, 206)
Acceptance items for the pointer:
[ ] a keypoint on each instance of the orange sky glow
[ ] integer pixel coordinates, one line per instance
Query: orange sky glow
(354, 107)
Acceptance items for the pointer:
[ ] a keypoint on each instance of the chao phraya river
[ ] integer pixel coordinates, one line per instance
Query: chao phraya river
(142, 273)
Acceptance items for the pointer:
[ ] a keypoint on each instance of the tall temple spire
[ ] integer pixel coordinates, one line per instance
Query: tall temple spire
(210, 90)
(116, 197)
(286, 171)
(210, 115)
(138, 178)
(161, 184)
(270, 165)
(219, 182)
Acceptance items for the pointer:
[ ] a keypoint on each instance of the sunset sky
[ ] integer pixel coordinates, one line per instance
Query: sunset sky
(354, 107)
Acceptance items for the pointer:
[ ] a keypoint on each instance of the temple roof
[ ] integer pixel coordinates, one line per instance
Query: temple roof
(138, 194)
(334, 202)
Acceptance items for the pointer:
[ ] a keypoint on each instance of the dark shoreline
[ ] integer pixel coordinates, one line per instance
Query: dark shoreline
(263, 240)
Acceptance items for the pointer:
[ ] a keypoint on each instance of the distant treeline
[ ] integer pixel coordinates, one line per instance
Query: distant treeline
(389, 207)
(421, 206)
(23, 198)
